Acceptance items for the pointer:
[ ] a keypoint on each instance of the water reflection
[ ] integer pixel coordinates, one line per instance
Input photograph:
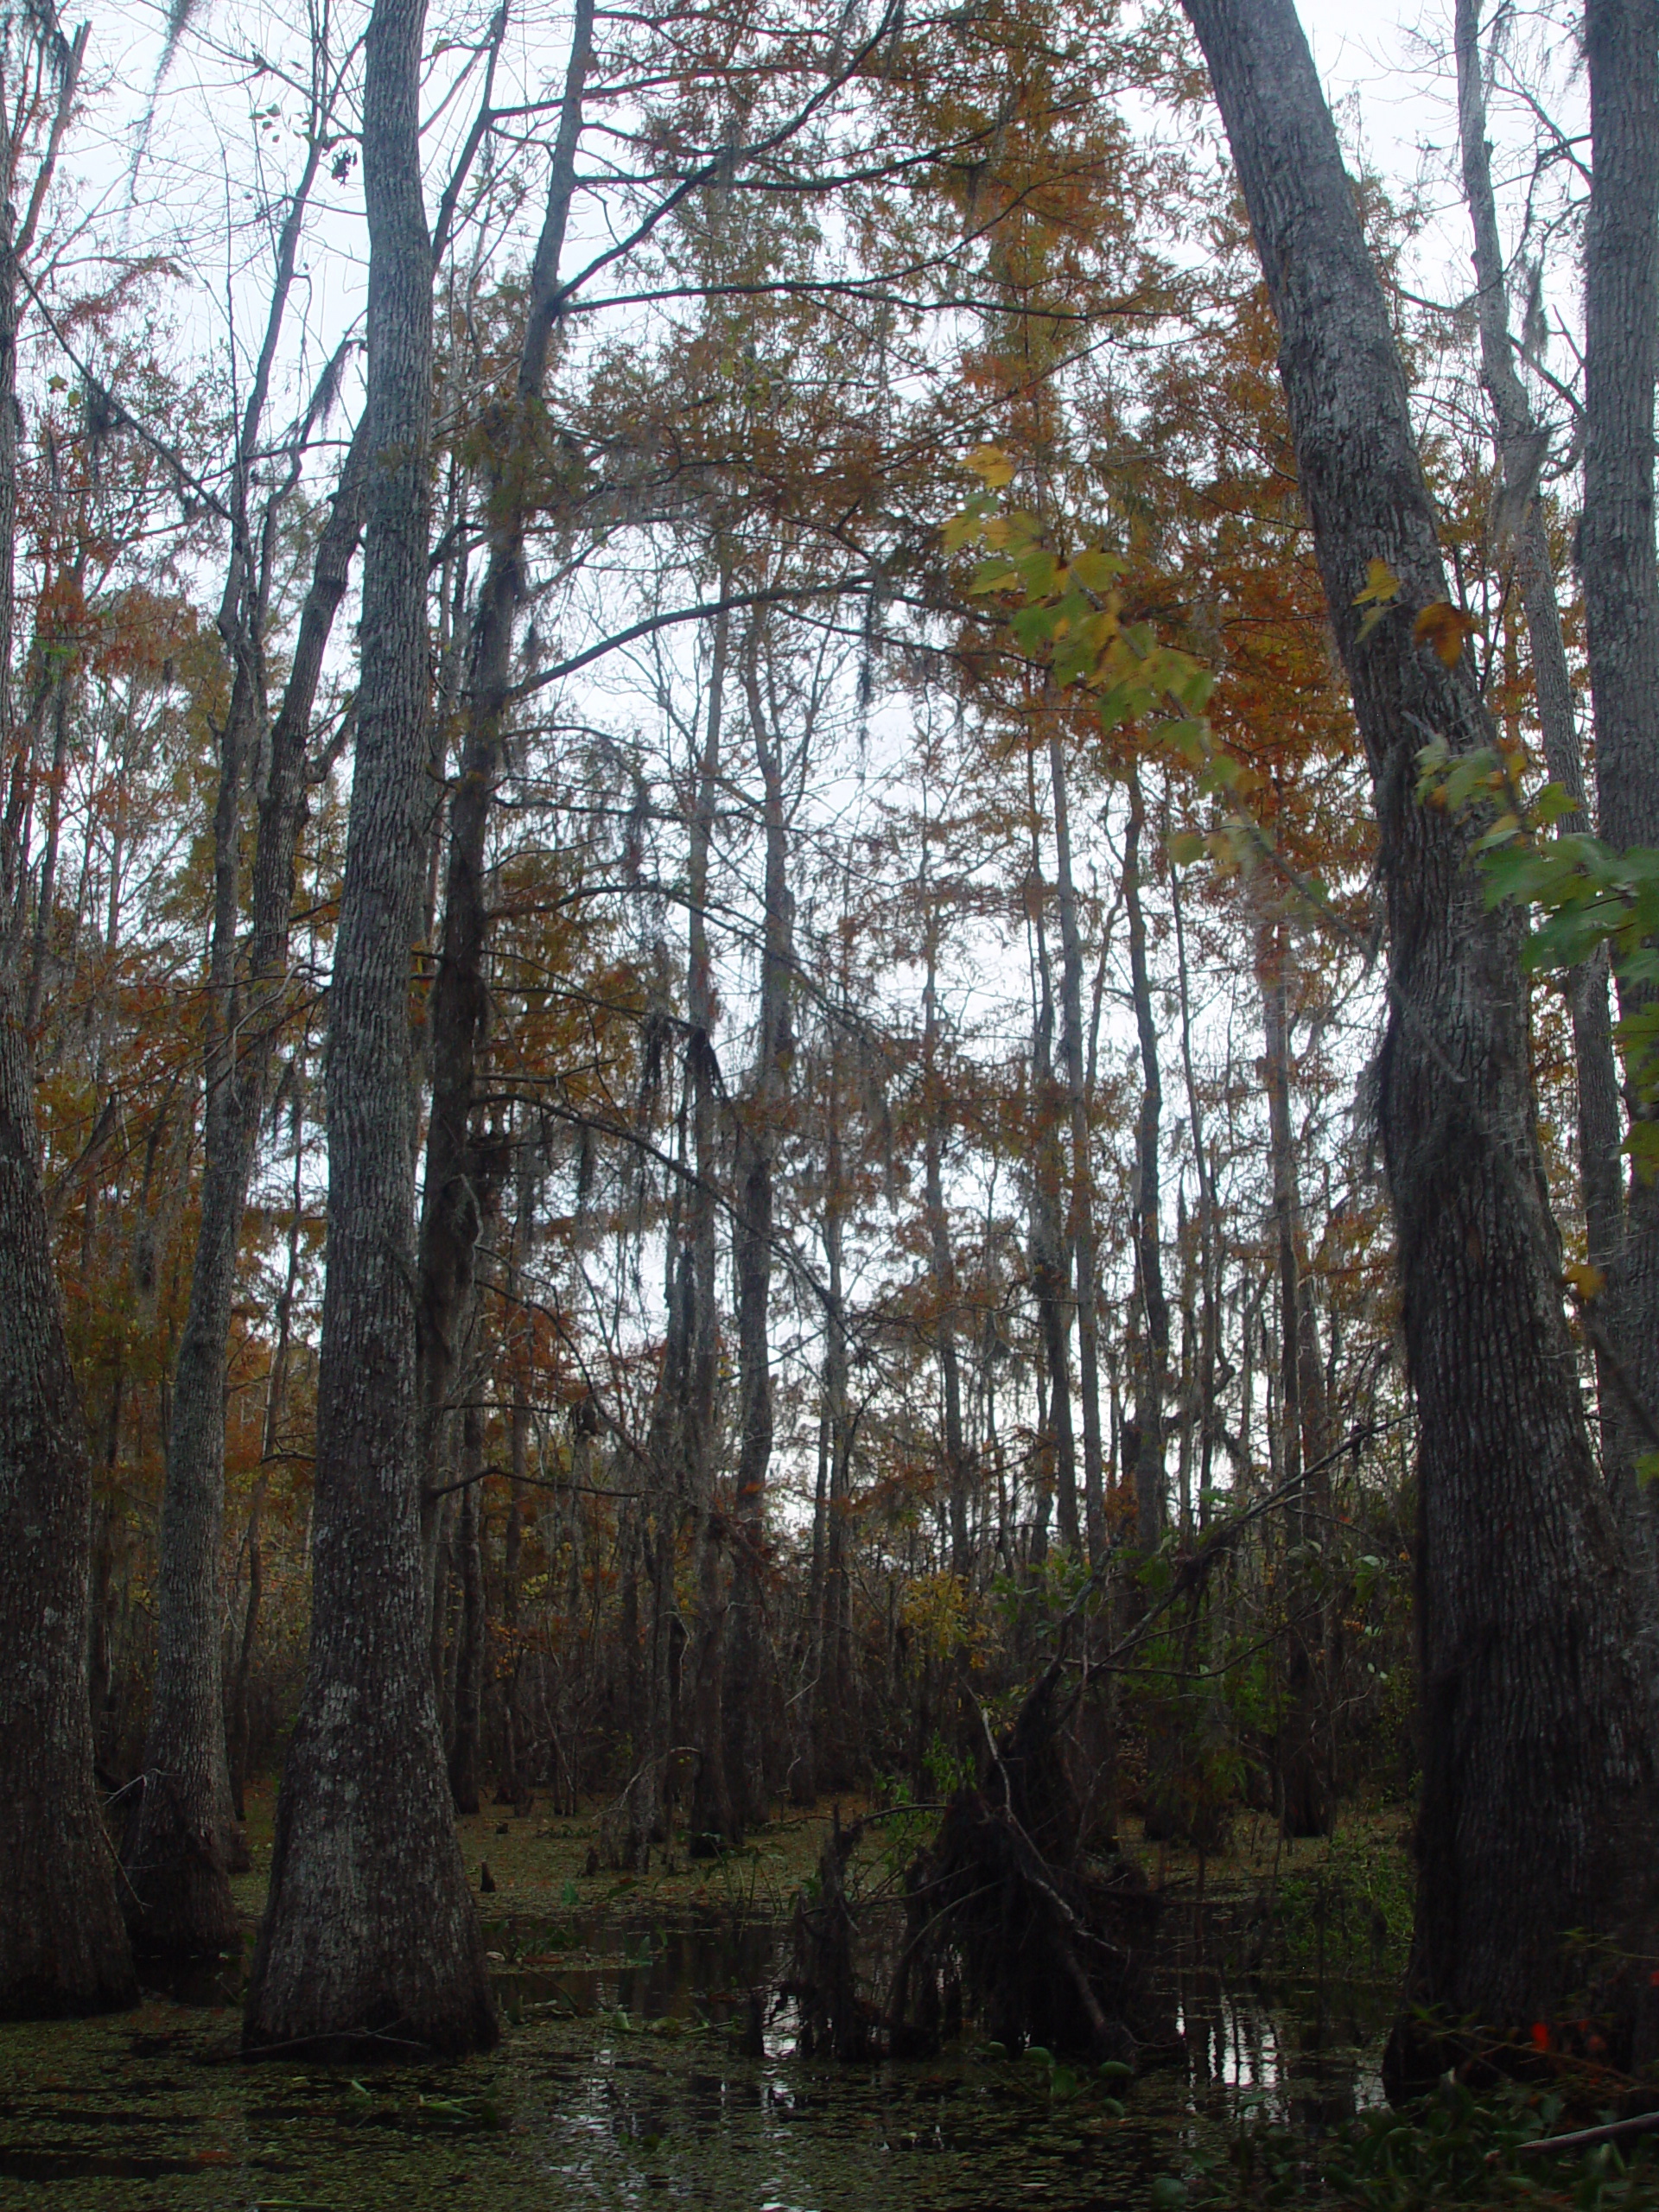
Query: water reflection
(652, 2095)
(646, 2063)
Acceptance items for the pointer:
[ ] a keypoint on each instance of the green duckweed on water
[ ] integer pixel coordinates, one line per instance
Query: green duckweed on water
(627, 2073)
(153, 2109)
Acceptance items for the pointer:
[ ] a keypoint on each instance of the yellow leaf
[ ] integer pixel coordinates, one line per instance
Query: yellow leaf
(991, 465)
(1381, 584)
(1097, 571)
(1588, 1281)
(1445, 627)
(1369, 620)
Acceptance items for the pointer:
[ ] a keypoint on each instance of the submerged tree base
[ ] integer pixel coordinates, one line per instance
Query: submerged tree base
(1009, 1921)
(176, 1894)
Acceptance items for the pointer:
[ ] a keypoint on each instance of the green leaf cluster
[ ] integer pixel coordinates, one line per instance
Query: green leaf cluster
(1585, 895)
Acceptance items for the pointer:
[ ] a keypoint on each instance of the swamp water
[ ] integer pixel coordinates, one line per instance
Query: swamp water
(636, 2069)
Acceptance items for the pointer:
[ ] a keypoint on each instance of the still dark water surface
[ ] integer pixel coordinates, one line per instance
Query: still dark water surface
(624, 2080)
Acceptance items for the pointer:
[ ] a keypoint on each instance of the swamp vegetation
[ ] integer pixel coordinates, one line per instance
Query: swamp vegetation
(829, 1280)
(648, 2050)
(650, 2053)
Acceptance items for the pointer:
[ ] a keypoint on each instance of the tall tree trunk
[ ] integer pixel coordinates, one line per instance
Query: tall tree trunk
(236, 1724)
(1050, 1257)
(1209, 1226)
(1082, 1222)
(473, 1628)
(713, 1821)
(181, 1841)
(935, 1122)
(182, 1837)
(1186, 1384)
(1522, 444)
(370, 1931)
(1274, 957)
(804, 1770)
(1617, 561)
(454, 1195)
(514, 1785)
(837, 1726)
(1304, 1802)
(63, 1948)
(748, 1699)
(1537, 1819)
(1151, 1473)
(647, 1536)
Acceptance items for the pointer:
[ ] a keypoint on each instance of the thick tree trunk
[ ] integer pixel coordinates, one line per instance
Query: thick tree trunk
(1522, 444)
(1618, 561)
(1537, 1819)
(370, 1931)
(63, 1949)
(181, 1841)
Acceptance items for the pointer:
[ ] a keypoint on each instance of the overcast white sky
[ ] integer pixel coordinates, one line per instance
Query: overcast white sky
(1386, 65)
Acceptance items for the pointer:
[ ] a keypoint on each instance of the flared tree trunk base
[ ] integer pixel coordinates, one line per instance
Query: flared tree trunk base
(63, 1951)
(370, 1941)
(177, 1896)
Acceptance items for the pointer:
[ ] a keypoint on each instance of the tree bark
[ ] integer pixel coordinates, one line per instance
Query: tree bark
(649, 1530)
(934, 1111)
(1617, 557)
(63, 1948)
(713, 1821)
(1082, 1223)
(1151, 1473)
(237, 1721)
(1537, 1817)
(454, 1195)
(836, 1725)
(473, 1628)
(1050, 1257)
(370, 1933)
(182, 1837)
(181, 1843)
(1208, 1225)
(747, 1699)
(1521, 448)
(1304, 1803)
(514, 1786)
